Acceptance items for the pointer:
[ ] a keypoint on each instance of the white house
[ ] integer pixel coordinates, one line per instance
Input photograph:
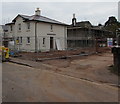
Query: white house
(37, 33)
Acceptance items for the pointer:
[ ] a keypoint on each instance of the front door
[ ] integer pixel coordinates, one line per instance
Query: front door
(51, 43)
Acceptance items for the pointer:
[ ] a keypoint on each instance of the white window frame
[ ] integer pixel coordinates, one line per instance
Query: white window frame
(21, 40)
(18, 40)
(43, 41)
(19, 27)
(51, 28)
(28, 40)
(11, 28)
(28, 25)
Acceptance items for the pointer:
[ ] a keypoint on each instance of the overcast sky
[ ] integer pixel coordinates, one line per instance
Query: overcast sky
(95, 12)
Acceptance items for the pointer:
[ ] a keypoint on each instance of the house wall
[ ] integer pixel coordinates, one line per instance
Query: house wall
(43, 30)
(24, 33)
(10, 33)
(1, 30)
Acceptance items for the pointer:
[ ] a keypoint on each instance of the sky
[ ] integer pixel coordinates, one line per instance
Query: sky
(94, 11)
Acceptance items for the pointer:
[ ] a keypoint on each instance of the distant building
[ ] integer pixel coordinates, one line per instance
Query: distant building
(1, 32)
(84, 34)
(3, 35)
(37, 33)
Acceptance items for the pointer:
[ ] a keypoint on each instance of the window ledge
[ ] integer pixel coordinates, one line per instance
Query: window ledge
(19, 30)
(28, 30)
(19, 43)
(28, 44)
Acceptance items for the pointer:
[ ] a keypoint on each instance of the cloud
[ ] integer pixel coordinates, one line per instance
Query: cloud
(60, 0)
(96, 12)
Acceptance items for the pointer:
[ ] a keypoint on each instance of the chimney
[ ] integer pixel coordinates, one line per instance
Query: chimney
(74, 20)
(37, 12)
(74, 15)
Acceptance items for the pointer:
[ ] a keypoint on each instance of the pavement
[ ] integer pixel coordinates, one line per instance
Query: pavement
(26, 84)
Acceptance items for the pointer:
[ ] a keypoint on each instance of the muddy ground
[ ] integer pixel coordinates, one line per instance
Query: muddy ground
(94, 67)
(57, 54)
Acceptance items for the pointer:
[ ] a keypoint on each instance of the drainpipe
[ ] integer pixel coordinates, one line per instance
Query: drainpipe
(36, 48)
(65, 37)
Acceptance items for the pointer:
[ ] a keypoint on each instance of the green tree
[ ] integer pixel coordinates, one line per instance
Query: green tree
(112, 25)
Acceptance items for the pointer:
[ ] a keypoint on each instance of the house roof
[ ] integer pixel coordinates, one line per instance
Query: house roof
(91, 28)
(10, 23)
(39, 19)
(83, 24)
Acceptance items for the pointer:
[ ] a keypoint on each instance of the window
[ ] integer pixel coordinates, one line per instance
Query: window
(19, 26)
(20, 39)
(28, 26)
(17, 40)
(11, 28)
(28, 39)
(51, 26)
(43, 41)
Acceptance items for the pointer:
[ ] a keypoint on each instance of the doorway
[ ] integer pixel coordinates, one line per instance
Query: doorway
(51, 43)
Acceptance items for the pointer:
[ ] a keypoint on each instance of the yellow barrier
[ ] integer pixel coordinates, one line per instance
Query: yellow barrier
(4, 52)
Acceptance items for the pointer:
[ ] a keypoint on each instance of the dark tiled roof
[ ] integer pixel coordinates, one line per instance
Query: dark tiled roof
(40, 19)
(84, 24)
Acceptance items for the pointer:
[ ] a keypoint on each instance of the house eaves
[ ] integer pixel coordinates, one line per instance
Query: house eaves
(39, 19)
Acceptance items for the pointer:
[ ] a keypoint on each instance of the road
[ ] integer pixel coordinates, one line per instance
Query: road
(26, 84)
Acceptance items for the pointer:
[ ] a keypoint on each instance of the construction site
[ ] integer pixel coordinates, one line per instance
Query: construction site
(45, 60)
(81, 63)
(60, 76)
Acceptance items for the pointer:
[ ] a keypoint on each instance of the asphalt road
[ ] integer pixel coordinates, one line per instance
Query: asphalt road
(25, 84)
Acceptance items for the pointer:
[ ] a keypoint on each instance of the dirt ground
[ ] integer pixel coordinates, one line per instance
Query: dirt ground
(55, 54)
(26, 84)
(92, 67)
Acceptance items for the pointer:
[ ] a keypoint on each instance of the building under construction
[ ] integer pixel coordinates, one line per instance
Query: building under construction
(83, 34)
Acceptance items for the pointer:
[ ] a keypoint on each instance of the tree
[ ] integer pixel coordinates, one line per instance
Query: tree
(112, 25)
